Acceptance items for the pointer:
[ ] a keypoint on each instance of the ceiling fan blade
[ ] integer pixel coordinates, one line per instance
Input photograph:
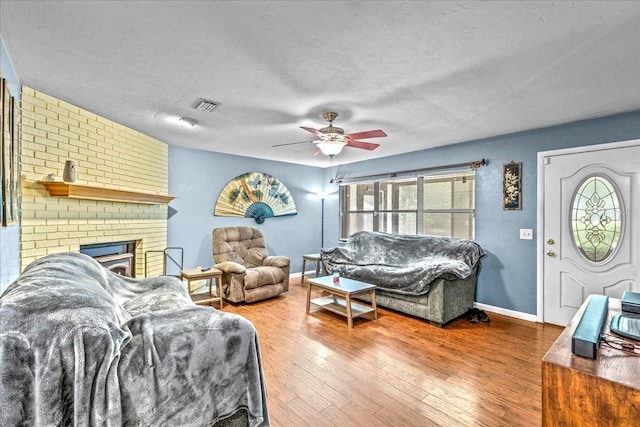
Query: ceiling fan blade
(317, 152)
(363, 145)
(366, 134)
(292, 143)
(316, 132)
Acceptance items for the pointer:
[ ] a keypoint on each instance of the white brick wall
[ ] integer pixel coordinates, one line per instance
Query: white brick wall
(106, 154)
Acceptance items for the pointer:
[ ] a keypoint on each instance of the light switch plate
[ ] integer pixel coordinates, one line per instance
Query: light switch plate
(526, 234)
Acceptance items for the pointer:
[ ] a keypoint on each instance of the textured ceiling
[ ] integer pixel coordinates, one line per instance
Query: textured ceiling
(427, 73)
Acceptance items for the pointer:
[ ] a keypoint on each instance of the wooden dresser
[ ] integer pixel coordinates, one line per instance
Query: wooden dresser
(578, 391)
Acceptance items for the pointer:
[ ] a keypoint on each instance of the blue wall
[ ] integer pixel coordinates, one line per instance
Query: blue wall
(9, 236)
(197, 177)
(508, 275)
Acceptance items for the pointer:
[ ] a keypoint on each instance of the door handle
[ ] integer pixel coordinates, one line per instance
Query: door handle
(551, 253)
(550, 242)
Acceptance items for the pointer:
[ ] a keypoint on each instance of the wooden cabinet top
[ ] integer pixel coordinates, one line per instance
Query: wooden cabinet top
(611, 364)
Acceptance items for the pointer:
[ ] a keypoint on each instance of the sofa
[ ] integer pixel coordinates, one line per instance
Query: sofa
(83, 346)
(430, 277)
(249, 273)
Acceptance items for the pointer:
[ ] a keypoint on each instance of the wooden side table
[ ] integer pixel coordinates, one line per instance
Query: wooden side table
(316, 258)
(209, 275)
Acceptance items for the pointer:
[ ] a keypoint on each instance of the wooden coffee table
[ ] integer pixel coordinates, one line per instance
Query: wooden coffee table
(340, 299)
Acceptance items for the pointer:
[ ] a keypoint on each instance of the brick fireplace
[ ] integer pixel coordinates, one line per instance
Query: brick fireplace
(106, 154)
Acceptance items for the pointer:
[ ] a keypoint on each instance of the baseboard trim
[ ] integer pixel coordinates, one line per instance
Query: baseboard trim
(307, 274)
(511, 313)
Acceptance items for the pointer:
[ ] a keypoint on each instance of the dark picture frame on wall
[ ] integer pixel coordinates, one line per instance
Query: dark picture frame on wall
(3, 172)
(512, 186)
(9, 169)
(13, 213)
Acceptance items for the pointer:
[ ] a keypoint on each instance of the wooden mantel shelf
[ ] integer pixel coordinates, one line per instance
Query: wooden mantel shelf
(91, 192)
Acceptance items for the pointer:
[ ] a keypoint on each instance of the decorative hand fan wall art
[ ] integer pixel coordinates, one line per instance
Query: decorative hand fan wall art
(255, 195)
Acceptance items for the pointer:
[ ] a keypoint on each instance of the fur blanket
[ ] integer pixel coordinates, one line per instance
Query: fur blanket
(82, 346)
(402, 264)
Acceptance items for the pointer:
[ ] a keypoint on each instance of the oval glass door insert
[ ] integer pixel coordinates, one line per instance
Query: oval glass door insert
(596, 220)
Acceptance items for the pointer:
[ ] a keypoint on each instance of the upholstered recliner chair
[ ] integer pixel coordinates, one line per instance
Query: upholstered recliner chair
(248, 272)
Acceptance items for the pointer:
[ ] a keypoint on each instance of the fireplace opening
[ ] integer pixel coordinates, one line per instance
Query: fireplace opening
(118, 257)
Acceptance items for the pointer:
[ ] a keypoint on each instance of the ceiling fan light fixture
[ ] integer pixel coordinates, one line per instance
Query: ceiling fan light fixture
(333, 137)
(332, 130)
(331, 148)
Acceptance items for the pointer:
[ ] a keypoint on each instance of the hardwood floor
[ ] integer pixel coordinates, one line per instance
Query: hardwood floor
(397, 370)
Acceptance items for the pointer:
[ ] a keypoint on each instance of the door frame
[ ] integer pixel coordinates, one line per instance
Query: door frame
(540, 208)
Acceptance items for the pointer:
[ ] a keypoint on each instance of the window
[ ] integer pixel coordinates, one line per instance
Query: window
(596, 219)
(439, 205)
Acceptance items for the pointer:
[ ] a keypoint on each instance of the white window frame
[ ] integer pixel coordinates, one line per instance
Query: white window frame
(419, 211)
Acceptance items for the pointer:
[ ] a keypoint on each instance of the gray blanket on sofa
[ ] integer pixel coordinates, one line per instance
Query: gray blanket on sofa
(403, 264)
(82, 346)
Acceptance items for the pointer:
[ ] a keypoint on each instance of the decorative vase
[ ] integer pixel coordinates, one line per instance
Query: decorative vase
(69, 174)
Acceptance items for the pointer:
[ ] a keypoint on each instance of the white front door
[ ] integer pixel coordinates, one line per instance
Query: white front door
(591, 227)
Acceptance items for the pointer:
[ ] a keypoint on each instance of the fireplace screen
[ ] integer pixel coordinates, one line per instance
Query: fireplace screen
(118, 257)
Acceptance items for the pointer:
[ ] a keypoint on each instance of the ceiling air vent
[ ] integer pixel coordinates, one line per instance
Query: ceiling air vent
(204, 105)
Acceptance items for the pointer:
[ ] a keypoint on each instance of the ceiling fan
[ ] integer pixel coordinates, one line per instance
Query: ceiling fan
(333, 139)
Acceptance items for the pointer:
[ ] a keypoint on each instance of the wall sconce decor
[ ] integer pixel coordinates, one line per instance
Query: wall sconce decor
(512, 186)
(255, 195)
